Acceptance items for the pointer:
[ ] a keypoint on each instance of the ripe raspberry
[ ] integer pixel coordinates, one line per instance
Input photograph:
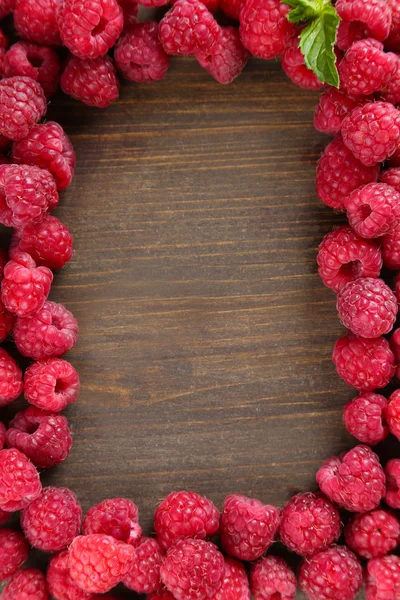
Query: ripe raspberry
(60, 583)
(93, 82)
(309, 523)
(22, 104)
(11, 385)
(391, 91)
(192, 569)
(393, 414)
(42, 436)
(382, 581)
(295, 68)
(144, 575)
(391, 177)
(331, 109)
(130, 9)
(188, 28)
(36, 21)
(116, 517)
(19, 481)
(354, 480)
(235, 585)
(264, 28)
(232, 8)
(374, 16)
(2, 439)
(227, 58)
(247, 527)
(366, 68)
(26, 584)
(390, 245)
(48, 147)
(339, 173)
(139, 55)
(392, 471)
(6, 7)
(37, 62)
(185, 514)
(98, 562)
(392, 42)
(365, 364)
(373, 210)
(372, 534)
(13, 552)
(48, 334)
(372, 132)
(365, 418)
(51, 384)
(271, 578)
(334, 574)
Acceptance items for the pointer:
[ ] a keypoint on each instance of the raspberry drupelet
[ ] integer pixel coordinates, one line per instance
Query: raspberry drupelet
(11, 385)
(393, 414)
(373, 210)
(117, 517)
(60, 583)
(36, 21)
(227, 58)
(270, 578)
(93, 82)
(372, 534)
(392, 471)
(51, 384)
(26, 584)
(374, 16)
(22, 104)
(144, 575)
(365, 418)
(235, 584)
(37, 62)
(332, 108)
(13, 552)
(293, 64)
(382, 580)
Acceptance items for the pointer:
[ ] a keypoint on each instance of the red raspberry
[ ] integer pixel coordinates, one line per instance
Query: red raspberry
(295, 68)
(382, 581)
(13, 552)
(98, 562)
(36, 21)
(3, 431)
(391, 177)
(48, 147)
(139, 55)
(372, 534)
(187, 28)
(392, 471)
(11, 385)
(48, 334)
(334, 574)
(117, 517)
(393, 414)
(264, 28)
(192, 569)
(19, 481)
(144, 575)
(51, 384)
(365, 364)
(339, 173)
(130, 9)
(271, 578)
(232, 8)
(93, 82)
(6, 7)
(331, 109)
(60, 583)
(42, 436)
(366, 68)
(372, 132)
(26, 584)
(354, 480)
(309, 523)
(247, 527)
(390, 245)
(227, 58)
(365, 418)
(374, 16)
(235, 585)
(392, 42)
(22, 104)
(373, 210)
(185, 514)
(391, 91)
(37, 62)
(350, 32)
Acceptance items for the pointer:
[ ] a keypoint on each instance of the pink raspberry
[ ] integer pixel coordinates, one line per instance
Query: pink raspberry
(227, 58)
(139, 54)
(264, 28)
(42, 436)
(392, 42)
(309, 523)
(144, 575)
(372, 534)
(271, 578)
(365, 418)
(372, 17)
(26, 584)
(37, 62)
(27, 193)
(98, 562)
(48, 147)
(372, 132)
(393, 414)
(192, 569)
(392, 471)
(188, 28)
(247, 527)
(382, 581)
(36, 21)
(22, 104)
(365, 364)
(130, 9)
(333, 574)
(6, 7)
(3, 436)
(89, 28)
(354, 480)
(373, 210)
(390, 245)
(232, 8)
(19, 481)
(366, 68)
(295, 68)
(60, 583)
(117, 517)
(51, 384)
(48, 242)
(235, 585)
(93, 82)
(339, 173)
(391, 91)
(331, 109)
(11, 385)
(13, 552)
(391, 177)
(185, 514)
(48, 334)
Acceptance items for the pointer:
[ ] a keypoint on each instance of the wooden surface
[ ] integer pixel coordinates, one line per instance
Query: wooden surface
(205, 333)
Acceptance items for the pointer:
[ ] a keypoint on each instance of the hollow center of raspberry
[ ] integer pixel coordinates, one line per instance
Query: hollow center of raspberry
(36, 61)
(32, 428)
(351, 269)
(100, 27)
(60, 387)
(276, 596)
(365, 211)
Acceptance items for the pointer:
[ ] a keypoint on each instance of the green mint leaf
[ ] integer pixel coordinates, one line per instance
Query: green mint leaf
(304, 10)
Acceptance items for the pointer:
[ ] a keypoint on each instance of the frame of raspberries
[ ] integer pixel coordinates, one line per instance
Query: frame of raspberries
(358, 172)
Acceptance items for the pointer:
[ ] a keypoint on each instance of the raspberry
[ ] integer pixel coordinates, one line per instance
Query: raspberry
(51, 384)
(36, 21)
(373, 210)
(392, 42)
(227, 58)
(235, 585)
(372, 132)
(37, 62)
(48, 242)
(392, 471)
(192, 569)
(188, 28)
(264, 28)
(350, 32)
(48, 147)
(382, 581)
(185, 514)
(309, 523)
(391, 91)
(97, 562)
(343, 257)
(19, 481)
(374, 16)
(339, 173)
(247, 527)
(372, 534)
(49, 333)
(27, 193)
(93, 82)
(395, 346)
(333, 574)
(130, 9)
(89, 28)
(13, 552)
(354, 480)
(390, 245)
(144, 575)
(366, 68)
(22, 104)
(60, 583)
(11, 385)
(391, 177)
(42, 436)
(271, 578)
(331, 109)
(365, 418)
(393, 414)
(116, 517)
(293, 64)
(232, 8)
(2, 437)
(6, 7)
(26, 584)
(139, 55)
(365, 364)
